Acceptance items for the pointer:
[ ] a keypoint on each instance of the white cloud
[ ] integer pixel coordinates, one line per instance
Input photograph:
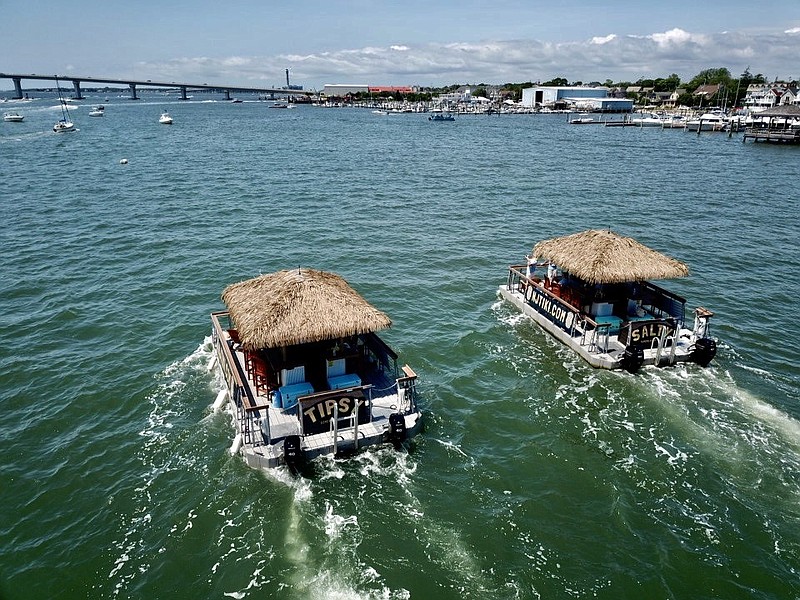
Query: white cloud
(674, 36)
(617, 57)
(604, 40)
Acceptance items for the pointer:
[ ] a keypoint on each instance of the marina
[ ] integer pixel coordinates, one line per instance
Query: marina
(777, 125)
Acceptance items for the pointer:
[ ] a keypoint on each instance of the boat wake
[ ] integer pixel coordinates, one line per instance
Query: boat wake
(681, 453)
(254, 533)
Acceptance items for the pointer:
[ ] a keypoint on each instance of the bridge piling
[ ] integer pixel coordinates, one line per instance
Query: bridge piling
(183, 93)
(133, 91)
(76, 84)
(17, 88)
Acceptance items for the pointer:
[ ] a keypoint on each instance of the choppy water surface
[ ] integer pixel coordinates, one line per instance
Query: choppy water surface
(537, 476)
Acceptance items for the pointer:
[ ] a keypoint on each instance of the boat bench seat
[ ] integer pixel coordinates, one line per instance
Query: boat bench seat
(614, 321)
(286, 396)
(347, 380)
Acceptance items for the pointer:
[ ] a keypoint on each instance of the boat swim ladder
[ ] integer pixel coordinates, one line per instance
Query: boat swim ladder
(334, 427)
(660, 343)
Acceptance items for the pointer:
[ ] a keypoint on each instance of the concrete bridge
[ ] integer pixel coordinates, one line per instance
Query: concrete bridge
(183, 87)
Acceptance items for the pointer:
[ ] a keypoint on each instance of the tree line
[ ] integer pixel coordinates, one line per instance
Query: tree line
(731, 88)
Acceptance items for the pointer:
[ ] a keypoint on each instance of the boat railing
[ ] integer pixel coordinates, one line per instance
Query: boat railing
(598, 334)
(246, 405)
(662, 303)
(593, 334)
(377, 351)
(331, 395)
(407, 391)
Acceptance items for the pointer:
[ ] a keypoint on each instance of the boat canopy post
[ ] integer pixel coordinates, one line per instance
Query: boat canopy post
(355, 427)
(335, 426)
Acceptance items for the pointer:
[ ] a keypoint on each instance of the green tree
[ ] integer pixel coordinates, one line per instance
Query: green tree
(710, 77)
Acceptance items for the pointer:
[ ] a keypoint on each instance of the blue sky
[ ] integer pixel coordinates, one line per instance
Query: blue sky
(251, 42)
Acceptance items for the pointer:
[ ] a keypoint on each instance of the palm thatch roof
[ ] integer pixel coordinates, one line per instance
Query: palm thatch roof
(602, 256)
(298, 306)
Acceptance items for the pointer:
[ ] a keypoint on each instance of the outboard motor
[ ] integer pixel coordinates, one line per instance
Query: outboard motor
(705, 349)
(397, 429)
(633, 358)
(292, 453)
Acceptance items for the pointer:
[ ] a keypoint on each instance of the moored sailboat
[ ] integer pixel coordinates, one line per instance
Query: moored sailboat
(64, 124)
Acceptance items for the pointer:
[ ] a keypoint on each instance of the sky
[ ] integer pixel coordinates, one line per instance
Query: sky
(408, 43)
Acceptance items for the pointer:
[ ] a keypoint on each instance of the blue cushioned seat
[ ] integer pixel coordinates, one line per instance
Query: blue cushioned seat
(614, 321)
(347, 380)
(290, 393)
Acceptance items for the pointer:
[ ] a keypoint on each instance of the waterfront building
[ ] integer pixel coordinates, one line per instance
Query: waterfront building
(577, 98)
(339, 90)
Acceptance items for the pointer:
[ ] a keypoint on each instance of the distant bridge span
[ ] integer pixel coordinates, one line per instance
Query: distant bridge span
(132, 83)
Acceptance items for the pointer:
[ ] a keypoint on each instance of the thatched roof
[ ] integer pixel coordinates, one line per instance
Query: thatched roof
(601, 256)
(298, 306)
(787, 110)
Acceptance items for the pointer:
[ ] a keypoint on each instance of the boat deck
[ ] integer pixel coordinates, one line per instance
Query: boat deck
(606, 352)
(263, 427)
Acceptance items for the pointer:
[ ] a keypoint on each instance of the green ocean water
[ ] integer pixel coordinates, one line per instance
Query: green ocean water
(536, 477)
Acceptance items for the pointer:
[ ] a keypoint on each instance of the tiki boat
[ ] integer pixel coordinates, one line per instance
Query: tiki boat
(305, 372)
(591, 291)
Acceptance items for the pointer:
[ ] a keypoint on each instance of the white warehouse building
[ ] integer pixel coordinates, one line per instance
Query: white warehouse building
(578, 98)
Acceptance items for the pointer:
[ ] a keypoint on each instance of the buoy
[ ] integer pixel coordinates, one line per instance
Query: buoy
(237, 443)
(124, 161)
(220, 400)
(212, 363)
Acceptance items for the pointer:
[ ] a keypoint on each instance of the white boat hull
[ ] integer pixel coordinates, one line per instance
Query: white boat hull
(263, 425)
(602, 354)
(63, 127)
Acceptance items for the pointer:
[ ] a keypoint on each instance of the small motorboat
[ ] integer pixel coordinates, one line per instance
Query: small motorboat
(582, 119)
(165, 118)
(12, 117)
(97, 111)
(441, 117)
(713, 121)
(63, 126)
